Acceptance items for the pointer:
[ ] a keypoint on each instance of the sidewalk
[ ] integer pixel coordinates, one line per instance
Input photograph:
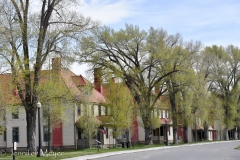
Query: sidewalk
(94, 156)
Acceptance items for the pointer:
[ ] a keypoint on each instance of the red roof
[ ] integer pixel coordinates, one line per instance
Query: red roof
(72, 81)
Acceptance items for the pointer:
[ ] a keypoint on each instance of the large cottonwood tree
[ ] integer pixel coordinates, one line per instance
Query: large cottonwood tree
(181, 58)
(30, 31)
(141, 58)
(120, 108)
(222, 71)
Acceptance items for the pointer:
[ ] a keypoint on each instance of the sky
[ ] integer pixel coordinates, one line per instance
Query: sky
(213, 22)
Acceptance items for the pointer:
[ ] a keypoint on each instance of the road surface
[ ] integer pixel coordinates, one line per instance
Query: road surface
(212, 151)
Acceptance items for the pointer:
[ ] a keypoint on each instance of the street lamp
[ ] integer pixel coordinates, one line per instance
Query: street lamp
(167, 143)
(40, 152)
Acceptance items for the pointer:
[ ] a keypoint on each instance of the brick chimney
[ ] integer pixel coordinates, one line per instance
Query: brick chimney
(98, 79)
(56, 64)
(56, 67)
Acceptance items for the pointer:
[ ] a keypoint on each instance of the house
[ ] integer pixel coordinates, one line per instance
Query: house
(67, 135)
(161, 112)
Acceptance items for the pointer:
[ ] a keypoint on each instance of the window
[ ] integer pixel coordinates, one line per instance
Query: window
(161, 113)
(15, 134)
(161, 131)
(99, 110)
(45, 133)
(15, 113)
(79, 110)
(79, 134)
(4, 136)
(106, 133)
(106, 110)
(93, 110)
(166, 114)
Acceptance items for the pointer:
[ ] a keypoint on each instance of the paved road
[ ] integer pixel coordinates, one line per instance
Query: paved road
(207, 151)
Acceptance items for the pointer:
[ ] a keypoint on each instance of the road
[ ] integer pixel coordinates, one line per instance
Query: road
(212, 151)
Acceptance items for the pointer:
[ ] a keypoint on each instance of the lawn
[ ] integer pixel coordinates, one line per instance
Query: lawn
(74, 153)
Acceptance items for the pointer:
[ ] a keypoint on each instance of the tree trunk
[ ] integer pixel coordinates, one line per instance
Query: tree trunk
(172, 98)
(174, 122)
(175, 141)
(148, 136)
(238, 132)
(185, 132)
(31, 129)
(206, 132)
(233, 134)
(174, 119)
(226, 137)
(195, 130)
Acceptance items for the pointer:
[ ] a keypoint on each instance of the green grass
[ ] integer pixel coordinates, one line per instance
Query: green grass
(73, 153)
(238, 147)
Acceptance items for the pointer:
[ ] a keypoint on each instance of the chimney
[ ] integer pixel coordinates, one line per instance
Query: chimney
(56, 67)
(56, 64)
(98, 79)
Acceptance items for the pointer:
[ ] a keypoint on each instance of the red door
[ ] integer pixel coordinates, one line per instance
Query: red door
(57, 136)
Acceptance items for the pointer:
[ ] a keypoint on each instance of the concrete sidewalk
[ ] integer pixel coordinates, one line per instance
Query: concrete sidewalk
(94, 156)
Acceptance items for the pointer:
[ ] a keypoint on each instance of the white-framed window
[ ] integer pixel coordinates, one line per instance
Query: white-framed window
(166, 114)
(4, 136)
(99, 110)
(15, 134)
(45, 133)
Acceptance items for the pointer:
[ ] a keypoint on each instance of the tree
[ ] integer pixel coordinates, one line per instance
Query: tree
(223, 76)
(140, 58)
(87, 123)
(201, 104)
(184, 102)
(181, 81)
(215, 113)
(207, 108)
(120, 107)
(28, 37)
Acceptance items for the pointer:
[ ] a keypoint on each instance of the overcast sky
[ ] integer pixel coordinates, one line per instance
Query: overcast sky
(209, 21)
